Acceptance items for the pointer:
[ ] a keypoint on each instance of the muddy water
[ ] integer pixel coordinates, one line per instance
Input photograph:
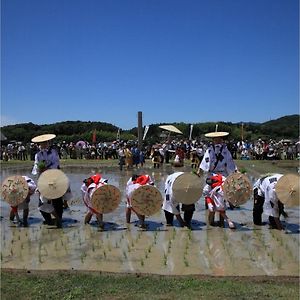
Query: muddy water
(248, 250)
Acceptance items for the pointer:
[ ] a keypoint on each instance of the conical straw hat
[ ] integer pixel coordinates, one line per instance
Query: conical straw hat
(237, 189)
(287, 189)
(53, 184)
(106, 199)
(216, 133)
(187, 188)
(14, 190)
(43, 138)
(146, 200)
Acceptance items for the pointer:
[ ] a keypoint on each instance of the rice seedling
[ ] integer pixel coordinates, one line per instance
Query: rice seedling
(124, 254)
(173, 233)
(82, 257)
(104, 253)
(109, 247)
(165, 259)
(169, 246)
(142, 262)
(186, 263)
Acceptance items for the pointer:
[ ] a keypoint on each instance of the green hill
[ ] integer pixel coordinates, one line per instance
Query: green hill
(286, 127)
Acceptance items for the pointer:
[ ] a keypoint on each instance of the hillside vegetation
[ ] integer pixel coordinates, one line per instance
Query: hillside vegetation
(286, 127)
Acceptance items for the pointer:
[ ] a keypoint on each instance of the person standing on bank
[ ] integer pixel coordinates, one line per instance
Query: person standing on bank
(217, 159)
(47, 158)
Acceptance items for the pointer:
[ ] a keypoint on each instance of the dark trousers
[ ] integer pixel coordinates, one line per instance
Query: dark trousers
(58, 207)
(188, 210)
(187, 215)
(258, 208)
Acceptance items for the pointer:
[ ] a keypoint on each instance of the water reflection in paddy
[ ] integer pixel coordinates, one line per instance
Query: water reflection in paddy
(249, 250)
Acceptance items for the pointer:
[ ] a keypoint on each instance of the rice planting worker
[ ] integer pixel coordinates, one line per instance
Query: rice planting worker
(47, 158)
(267, 202)
(89, 185)
(134, 183)
(217, 159)
(24, 205)
(216, 201)
(185, 189)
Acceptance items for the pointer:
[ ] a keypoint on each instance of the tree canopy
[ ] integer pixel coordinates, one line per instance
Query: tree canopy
(286, 127)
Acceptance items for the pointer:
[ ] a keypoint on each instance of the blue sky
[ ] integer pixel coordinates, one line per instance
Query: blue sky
(176, 61)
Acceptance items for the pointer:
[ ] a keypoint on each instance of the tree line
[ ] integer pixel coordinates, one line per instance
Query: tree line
(286, 127)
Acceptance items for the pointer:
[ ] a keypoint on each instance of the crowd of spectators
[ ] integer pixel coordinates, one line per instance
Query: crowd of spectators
(160, 152)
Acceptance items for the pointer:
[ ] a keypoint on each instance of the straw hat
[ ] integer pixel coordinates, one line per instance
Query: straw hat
(237, 189)
(14, 190)
(106, 199)
(287, 189)
(53, 183)
(43, 138)
(146, 200)
(187, 188)
(216, 133)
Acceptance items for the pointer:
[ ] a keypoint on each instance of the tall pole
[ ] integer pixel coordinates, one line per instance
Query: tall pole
(140, 130)
(242, 131)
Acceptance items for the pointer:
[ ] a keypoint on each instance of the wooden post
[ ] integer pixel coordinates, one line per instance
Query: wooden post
(140, 130)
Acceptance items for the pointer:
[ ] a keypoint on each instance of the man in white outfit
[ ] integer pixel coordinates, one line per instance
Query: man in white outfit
(217, 159)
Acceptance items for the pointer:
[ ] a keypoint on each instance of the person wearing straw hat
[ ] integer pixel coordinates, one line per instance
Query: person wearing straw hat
(48, 158)
(216, 201)
(269, 203)
(89, 185)
(23, 205)
(181, 188)
(133, 184)
(217, 159)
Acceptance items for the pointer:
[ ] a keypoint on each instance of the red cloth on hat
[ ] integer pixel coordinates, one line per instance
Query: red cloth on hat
(142, 179)
(217, 180)
(96, 178)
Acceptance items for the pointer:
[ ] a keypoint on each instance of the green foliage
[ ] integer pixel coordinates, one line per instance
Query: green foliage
(106, 286)
(71, 131)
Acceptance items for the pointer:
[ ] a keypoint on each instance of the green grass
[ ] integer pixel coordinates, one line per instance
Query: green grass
(73, 285)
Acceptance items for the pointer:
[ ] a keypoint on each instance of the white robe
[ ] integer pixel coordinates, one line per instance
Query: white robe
(267, 190)
(170, 203)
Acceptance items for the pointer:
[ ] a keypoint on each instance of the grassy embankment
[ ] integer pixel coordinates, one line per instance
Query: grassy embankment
(62, 285)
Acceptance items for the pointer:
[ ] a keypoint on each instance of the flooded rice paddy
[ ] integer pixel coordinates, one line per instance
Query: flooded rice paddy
(248, 250)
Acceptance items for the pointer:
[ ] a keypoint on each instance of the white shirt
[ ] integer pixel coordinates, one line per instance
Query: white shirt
(51, 159)
(170, 203)
(224, 166)
(267, 189)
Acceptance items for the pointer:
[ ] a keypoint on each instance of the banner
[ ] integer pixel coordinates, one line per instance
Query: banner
(118, 135)
(94, 138)
(145, 131)
(191, 130)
